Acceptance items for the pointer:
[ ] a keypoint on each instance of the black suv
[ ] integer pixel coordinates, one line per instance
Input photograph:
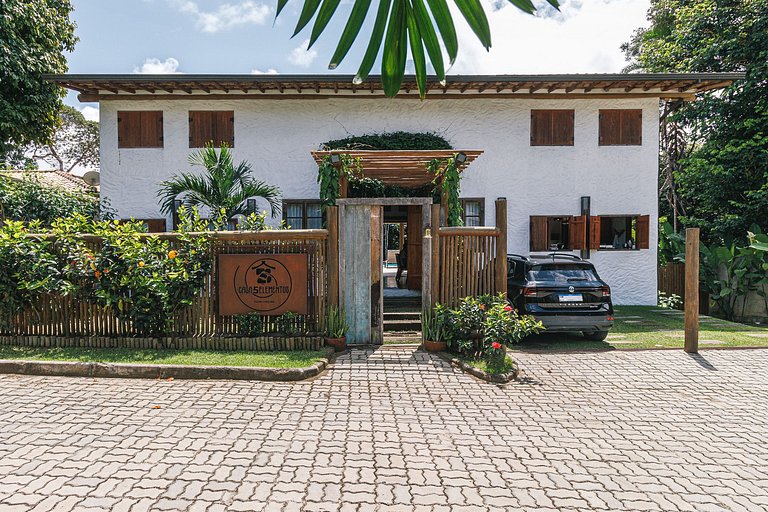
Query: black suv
(563, 291)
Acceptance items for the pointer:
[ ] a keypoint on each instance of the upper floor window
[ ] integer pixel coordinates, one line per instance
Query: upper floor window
(140, 129)
(303, 214)
(208, 126)
(552, 127)
(621, 127)
(473, 212)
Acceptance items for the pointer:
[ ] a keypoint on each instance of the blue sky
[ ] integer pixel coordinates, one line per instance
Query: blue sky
(238, 36)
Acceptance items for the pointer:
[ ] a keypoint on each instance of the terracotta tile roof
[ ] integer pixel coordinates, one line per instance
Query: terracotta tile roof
(51, 178)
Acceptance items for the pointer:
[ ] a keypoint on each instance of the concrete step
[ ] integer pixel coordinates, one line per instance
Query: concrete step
(402, 315)
(402, 325)
(402, 337)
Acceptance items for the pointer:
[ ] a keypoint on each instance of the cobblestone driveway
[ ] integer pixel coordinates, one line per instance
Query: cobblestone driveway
(399, 430)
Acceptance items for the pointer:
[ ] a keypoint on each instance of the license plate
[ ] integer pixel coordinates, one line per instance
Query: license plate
(571, 297)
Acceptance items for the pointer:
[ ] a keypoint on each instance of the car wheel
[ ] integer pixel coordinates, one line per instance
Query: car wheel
(595, 335)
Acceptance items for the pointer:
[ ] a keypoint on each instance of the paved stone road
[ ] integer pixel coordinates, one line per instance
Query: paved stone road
(399, 430)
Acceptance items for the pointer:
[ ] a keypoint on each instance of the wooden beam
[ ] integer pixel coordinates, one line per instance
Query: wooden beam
(500, 269)
(435, 254)
(332, 223)
(91, 97)
(691, 290)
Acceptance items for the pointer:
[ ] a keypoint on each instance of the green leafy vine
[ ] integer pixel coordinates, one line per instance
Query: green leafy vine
(447, 182)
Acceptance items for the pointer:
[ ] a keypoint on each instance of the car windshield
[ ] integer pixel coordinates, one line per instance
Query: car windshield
(561, 274)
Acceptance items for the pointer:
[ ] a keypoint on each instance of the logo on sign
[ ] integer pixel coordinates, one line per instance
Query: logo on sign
(263, 285)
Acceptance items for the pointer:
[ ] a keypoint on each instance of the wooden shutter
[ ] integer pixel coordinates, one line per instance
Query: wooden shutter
(206, 126)
(552, 127)
(577, 233)
(643, 232)
(224, 131)
(621, 127)
(139, 129)
(594, 233)
(562, 127)
(539, 235)
(632, 127)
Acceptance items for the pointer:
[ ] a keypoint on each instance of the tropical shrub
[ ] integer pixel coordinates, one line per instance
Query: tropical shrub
(29, 270)
(478, 324)
(336, 325)
(671, 301)
(142, 279)
(28, 200)
(250, 324)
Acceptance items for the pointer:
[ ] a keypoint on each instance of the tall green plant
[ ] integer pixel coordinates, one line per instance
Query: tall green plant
(447, 182)
(329, 176)
(223, 187)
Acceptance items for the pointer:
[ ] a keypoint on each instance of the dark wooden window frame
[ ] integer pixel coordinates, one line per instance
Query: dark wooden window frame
(620, 121)
(465, 200)
(552, 127)
(131, 132)
(642, 232)
(216, 121)
(304, 216)
(573, 243)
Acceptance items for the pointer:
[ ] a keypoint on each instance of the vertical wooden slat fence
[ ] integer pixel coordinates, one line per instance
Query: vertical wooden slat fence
(473, 260)
(671, 280)
(69, 317)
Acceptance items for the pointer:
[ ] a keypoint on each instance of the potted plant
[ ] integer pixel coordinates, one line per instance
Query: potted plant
(432, 331)
(336, 329)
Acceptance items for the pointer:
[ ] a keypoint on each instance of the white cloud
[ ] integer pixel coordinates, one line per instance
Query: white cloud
(157, 67)
(270, 71)
(301, 56)
(90, 113)
(225, 16)
(584, 37)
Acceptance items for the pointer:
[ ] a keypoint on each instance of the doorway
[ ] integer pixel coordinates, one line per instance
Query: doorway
(382, 286)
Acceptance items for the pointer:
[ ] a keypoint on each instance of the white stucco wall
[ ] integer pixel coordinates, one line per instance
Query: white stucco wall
(277, 137)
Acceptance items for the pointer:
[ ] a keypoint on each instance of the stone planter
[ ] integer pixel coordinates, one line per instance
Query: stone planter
(339, 344)
(435, 346)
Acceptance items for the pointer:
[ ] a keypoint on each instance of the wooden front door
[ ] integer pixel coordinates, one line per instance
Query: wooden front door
(415, 240)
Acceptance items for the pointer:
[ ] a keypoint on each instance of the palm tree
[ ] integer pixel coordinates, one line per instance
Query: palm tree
(222, 188)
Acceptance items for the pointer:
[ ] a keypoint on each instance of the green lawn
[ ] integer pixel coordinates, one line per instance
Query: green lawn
(287, 359)
(652, 327)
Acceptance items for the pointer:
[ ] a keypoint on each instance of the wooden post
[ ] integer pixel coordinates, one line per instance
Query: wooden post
(692, 290)
(435, 266)
(332, 220)
(501, 247)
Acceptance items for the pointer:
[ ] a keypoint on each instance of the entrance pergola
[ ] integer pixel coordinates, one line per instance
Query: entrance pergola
(360, 223)
(404, 168)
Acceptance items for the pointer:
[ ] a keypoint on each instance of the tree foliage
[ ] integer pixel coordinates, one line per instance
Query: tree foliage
(33, 39)
(75, 143)
(28, 200)
(722, 179)
(400, 25)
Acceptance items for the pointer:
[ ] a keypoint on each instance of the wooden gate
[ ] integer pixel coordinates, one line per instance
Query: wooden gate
(469, 261)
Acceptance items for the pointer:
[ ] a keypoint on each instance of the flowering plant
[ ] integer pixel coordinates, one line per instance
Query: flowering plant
(143, 279)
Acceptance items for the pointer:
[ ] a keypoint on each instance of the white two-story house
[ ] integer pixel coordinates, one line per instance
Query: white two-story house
(576, 156)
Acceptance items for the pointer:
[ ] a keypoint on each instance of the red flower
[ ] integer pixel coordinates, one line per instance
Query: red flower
(496, 345)
(507, 308)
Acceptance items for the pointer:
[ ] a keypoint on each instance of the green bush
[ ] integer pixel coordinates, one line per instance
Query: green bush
(28, 200)
(141, 279)
(481, 325)
(29, 270)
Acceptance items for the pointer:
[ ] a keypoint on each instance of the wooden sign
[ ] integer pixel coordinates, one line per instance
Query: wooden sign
(270, 284)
